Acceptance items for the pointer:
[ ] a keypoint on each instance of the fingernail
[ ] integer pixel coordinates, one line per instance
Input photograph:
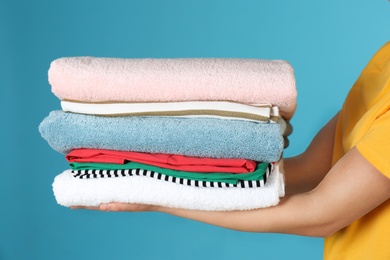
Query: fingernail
(104, 207)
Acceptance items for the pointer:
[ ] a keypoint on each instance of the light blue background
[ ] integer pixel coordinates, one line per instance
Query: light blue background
(327, 42)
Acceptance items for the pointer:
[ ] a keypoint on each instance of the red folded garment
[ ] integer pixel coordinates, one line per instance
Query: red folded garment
(170, 161)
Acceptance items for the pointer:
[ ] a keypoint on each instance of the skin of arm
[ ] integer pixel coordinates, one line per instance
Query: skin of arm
(306, 170)
(322, 199)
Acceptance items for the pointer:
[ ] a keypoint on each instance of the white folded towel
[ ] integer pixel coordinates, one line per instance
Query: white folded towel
(211, 109)
(71, 191)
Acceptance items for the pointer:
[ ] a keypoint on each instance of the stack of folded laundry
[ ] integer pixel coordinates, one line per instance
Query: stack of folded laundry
(202, 133)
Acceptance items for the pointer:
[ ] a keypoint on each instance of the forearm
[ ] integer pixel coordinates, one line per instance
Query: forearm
(305, 171)
(294, 215)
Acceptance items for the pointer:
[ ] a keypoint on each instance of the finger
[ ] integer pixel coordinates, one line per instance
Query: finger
(85, 207)
(125, 207)
(289, 129)
(286, 142)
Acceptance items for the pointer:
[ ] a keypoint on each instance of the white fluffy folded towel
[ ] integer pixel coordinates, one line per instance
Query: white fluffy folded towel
(71, 191)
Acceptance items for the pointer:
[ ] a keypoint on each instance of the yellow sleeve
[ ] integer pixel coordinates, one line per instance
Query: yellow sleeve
(375, 144)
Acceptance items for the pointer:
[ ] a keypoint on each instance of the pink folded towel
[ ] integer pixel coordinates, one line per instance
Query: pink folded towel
(248, 81)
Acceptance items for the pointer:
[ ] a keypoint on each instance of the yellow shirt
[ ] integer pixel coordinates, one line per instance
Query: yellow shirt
(364, 122)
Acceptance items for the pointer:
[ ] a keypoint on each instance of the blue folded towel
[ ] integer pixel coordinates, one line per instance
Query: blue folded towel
(202, 137)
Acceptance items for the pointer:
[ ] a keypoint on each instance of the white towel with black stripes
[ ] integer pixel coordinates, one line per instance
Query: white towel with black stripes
(71, 191)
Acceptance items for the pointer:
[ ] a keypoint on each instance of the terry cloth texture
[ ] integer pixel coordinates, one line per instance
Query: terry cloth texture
(170, 161)
(217, 109)
(201, 137)
(250, 81)
(71, 191)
